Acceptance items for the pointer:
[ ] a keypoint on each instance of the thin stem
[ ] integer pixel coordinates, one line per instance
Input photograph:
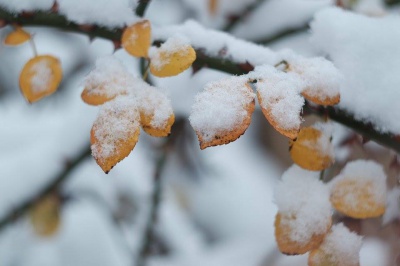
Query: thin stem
(150, 232)
(33, 45)
(54, 185)
(141, 7)
(235, 20)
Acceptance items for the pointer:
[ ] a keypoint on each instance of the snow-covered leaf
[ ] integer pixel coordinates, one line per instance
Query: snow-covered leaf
(136, 39)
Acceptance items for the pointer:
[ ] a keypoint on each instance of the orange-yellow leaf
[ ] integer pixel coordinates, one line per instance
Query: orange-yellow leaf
(40, 77)
(17, 37)
(136, 39)
(286, 245)
(156, 113)
(115, 132)
(172, 58)
(45, 215)
(312, 150)
(320, 98)
(360, 190)
(222, 112)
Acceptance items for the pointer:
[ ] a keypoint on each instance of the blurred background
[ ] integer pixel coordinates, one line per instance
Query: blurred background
(216, 206)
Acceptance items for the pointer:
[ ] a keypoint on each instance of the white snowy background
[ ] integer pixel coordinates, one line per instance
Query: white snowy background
(217, 207)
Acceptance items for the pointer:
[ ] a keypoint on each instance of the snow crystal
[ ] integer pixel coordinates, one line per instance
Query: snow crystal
(117, 120)
(366, 50)
(280, 93)
(26, 5)
(153, 101)
(218, 43)
(221, 106)
(301, 195)
(341, 246)
(175, 44)
(42, 76)
(109, 77)
(365, 171)
(321, 77)
(116, 13)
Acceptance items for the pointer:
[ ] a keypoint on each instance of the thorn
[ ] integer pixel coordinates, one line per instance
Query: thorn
(3, 23)
(364, 140)
(223, 51)
(117, 44)
(246, 66)
(196, 68)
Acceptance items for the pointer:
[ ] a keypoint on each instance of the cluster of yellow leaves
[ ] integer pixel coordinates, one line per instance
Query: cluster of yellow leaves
(45, 215)
(136, 40)
(41, 75)
(116, 130)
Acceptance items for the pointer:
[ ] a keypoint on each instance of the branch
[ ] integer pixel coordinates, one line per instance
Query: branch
(54, 185)
(141, 8)
(284, 33)
(236, 19)
(203, 60)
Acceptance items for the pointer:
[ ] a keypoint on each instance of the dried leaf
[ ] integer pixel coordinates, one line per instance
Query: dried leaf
(290, 247)
(318, 97)
(45, 215)
(136, 39)
(17, 37)
(222, 112)
(312, 150)
(40, 77)
(115, 132)
(172, 58)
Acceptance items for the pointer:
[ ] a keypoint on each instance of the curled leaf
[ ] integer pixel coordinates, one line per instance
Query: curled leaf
(136, 39)
(40, 77)
(313, 150)
(45, 215)
(222, 112)
(106, 81)
(115, 132)
(17, 37)
(360, 190)
(172, 58)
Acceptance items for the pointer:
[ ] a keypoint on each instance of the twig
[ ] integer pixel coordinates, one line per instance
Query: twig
(18, 211)
(234, 20)
(141, 7)
(203, 60)
(282, 34)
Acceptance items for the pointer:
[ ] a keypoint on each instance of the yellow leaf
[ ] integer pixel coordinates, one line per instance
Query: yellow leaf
(40, 77)
(17, 37)
(156, 113)
(136, 39)
(312, 150)
(172, 58)
(115, 132)
(212, 6)
(96, 96)
(45, 215)
(360, 190)
(289, 247)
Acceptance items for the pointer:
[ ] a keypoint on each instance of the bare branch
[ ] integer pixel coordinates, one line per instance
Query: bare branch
(141, 8)
(236, 19)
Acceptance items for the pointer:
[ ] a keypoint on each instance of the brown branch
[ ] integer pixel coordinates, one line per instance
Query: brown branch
(203, 60)
(53, 186)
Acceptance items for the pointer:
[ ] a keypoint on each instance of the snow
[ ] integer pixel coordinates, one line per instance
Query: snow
(26, 5)
(116, 122)
(42, 76)
(280, 94)
(221, 107)
(392, 212)
(111, 14)
(324, 145)
(174, 45)
(302, 195)
(341, 246)
(365, 49)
